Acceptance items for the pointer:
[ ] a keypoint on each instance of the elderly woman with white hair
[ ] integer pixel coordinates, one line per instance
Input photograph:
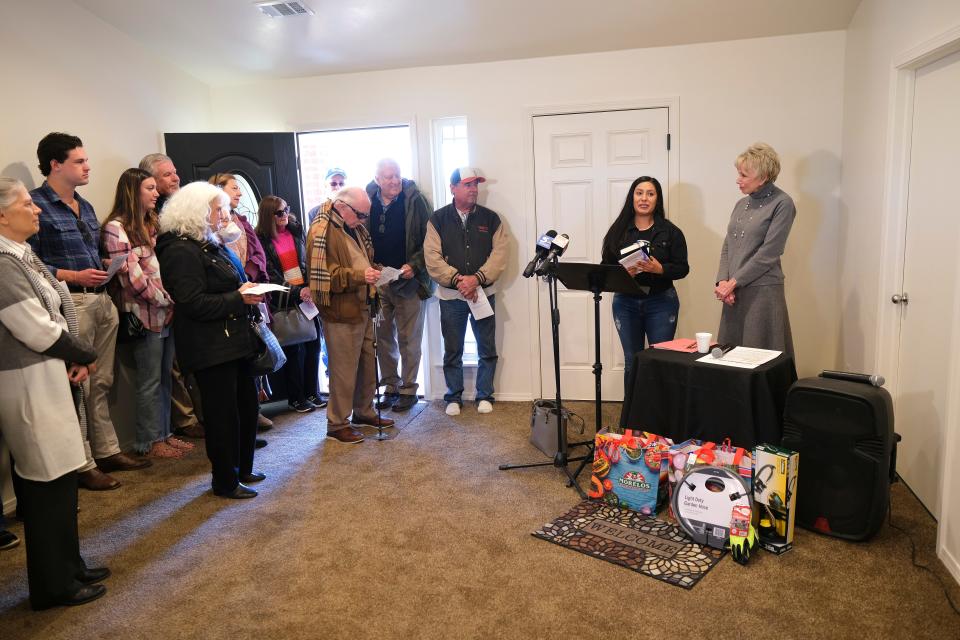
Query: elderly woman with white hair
(750, 278)
(212, 329)
(42, 411)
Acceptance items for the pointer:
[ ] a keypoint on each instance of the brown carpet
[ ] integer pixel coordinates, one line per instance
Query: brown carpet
(422, 537)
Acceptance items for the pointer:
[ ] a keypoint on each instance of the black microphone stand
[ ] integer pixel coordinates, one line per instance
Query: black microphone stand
(561, 459)
(374, 302)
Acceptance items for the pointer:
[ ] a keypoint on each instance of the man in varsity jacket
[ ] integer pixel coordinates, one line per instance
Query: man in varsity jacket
(465, 250)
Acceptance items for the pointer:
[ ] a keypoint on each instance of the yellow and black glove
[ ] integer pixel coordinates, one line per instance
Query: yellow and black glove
(741, 546)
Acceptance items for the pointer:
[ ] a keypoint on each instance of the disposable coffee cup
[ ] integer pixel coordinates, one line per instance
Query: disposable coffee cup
(703, 342)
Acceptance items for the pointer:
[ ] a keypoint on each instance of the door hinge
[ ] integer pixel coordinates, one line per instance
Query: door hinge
(668, 142)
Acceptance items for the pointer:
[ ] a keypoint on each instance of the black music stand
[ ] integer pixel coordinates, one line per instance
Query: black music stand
(579, 276)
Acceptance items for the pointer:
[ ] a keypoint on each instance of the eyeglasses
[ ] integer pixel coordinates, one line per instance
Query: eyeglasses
(334, 183)
(282, 212)
(359, 214)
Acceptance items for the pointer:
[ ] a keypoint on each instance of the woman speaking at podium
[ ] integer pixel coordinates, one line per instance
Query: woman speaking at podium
(643, 231)
(750, 279)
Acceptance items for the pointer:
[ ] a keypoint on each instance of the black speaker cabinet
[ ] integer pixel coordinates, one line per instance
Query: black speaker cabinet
(844, 434)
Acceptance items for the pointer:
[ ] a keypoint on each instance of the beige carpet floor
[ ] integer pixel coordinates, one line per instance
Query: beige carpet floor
(422, 536)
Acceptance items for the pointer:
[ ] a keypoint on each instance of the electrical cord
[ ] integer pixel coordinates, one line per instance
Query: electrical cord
(913, 556)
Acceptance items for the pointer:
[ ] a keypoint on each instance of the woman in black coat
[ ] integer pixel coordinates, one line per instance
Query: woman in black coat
(212, 329)
(282, 240)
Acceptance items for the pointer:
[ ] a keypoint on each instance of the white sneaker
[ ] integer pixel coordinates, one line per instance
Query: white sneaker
(484, 406)
(453, 409)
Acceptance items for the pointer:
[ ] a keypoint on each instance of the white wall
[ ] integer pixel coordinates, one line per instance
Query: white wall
(66, 70)
(880, 32)
(784, 90)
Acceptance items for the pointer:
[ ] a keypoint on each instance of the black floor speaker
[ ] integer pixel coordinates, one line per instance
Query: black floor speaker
(844, 433)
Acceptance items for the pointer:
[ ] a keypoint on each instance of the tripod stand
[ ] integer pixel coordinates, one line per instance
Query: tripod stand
(584, 277)
(561, 460)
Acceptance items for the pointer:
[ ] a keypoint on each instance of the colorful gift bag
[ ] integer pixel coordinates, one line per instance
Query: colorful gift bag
(677, 457)
(629, 470)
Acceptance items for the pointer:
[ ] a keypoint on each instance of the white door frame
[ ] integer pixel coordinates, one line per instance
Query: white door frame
(529, 196)
(893, 240)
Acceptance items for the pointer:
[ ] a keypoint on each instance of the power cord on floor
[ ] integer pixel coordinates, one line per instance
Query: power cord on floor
(913, 556)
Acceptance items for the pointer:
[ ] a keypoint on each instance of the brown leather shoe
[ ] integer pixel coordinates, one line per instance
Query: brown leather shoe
(192, 431)
(373, 422)
(346, 435)
(122, 462)
(96, 480)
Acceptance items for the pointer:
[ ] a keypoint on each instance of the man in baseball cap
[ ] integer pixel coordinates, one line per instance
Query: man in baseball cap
(465, 250)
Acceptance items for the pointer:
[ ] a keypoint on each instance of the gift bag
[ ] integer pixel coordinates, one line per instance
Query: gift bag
(629, 470)
(737, 459)
(677, 458)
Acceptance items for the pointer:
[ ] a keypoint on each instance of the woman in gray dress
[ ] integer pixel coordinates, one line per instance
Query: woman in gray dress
(750, 278)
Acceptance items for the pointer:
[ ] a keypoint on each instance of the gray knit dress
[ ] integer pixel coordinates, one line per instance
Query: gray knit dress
(755, 240)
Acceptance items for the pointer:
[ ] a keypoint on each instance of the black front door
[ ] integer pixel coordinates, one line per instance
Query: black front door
(267, 161)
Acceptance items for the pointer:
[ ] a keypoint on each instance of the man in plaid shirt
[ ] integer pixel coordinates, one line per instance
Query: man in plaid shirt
(69, 244)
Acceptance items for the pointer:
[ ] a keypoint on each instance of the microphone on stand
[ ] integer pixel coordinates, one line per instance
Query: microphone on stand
(875, 380)
(543, 247)
(557, 247)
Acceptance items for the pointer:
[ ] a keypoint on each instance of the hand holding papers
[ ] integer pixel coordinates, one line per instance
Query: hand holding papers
(388, 275)
(115, 264)
(481, 307)
(309, 309)
(633, 255)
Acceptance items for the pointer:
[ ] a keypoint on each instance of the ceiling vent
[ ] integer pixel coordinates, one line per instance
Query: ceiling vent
(284, 9)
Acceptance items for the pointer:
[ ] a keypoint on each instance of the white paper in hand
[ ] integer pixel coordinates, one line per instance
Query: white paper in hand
(115, 264)
(264, 287)
(388, 275)
(309, 309)
(481, 308)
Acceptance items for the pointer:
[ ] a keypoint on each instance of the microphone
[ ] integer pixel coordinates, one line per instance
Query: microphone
(557, 247)
(543, 246)
(865, 378)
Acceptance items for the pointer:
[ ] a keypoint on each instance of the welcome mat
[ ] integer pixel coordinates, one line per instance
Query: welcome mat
(641, 543)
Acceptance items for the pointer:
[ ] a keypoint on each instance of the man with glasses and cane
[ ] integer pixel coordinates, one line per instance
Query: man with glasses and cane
(398, 224)
(340, 261)
(69, 244)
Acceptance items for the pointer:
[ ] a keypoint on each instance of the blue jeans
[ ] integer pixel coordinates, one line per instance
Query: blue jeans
(154, 357)
(653, 318)
(453, 325)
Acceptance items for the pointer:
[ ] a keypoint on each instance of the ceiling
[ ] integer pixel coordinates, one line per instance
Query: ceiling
(230, 41)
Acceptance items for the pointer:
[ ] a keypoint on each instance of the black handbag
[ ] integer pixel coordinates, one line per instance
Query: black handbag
(130, 328)
(291, 326)
(269, 357)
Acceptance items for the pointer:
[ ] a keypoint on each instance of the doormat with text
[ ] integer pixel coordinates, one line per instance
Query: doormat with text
(641, 543)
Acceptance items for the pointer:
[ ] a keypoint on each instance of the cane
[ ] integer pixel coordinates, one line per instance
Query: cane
(374, 302)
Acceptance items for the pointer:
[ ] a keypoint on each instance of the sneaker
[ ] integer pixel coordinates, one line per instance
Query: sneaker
(405, 403)
(453, 409)
(318, 401)
(302, 406)
(484, 406)
(8, 540)
(346, 435)
(388, 400)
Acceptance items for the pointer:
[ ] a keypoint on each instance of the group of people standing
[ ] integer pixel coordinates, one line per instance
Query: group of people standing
(749, 280)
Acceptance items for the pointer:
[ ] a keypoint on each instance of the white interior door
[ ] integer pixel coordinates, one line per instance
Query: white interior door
(927, 322)
(583, 165)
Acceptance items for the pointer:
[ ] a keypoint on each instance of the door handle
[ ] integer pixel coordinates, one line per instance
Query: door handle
(899, 298)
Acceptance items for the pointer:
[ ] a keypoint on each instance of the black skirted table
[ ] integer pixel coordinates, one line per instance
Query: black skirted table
(671, 394)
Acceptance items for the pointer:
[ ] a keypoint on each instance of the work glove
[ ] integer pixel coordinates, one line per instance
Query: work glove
(741, 546)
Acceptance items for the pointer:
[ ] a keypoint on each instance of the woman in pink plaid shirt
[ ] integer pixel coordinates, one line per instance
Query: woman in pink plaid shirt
(131, 229)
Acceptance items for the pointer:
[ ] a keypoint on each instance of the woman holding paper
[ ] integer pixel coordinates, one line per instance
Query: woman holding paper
(282, 240)
(653, 250)
(131, 230)
(750, 278)
(212, 329)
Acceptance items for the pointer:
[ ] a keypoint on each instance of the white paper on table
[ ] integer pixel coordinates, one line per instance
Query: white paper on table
(309, 309)
(264, 287)
(742, 357)
(388, 275)
(481, 308)
(115, 264)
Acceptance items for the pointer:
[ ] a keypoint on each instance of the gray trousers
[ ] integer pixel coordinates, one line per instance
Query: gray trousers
(398, 341)
(352, 376)
(98, 321)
